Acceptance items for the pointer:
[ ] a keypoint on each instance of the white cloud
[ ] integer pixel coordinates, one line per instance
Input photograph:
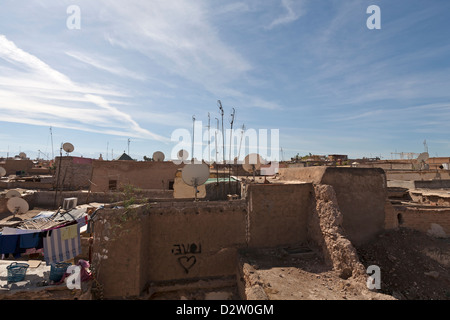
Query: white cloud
(106, 64)
(33, 91)
(293, 12)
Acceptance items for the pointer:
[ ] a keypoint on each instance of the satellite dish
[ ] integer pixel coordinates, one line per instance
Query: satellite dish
(195, 175)
(68, 147)
(2, 172)
(182, 154)
(252, 163)
(13, 194)
(17, 205)
(158, 156)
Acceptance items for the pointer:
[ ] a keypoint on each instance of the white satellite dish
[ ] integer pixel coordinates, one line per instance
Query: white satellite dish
(252, 163)
(68, 147)
(182, 154)
(158, 156)
(2, 172)
(195, 175)
(13, 194)
(17, 205)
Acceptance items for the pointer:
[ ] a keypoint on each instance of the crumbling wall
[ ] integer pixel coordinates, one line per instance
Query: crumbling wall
(360, 192)
(117, 256)
(325, 228)
(391, 219)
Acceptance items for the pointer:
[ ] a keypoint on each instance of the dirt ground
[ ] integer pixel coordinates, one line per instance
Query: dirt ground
(305, 276)
(414, 266)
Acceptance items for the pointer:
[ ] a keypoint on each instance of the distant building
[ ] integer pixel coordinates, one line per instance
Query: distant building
(147, 175)
(438, 163)
(337, 157)
(124, 156)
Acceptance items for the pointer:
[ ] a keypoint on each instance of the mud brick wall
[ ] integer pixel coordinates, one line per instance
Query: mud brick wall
(432, 221)
(361, 194)
(278, 214)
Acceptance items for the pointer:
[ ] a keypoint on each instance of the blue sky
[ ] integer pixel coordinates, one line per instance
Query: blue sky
(139, 70)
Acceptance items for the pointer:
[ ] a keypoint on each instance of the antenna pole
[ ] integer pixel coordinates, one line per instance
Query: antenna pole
(128, 146)
(231, 133)
(107, 150)
(51, 137)
(223, 134)
(231, 136)
(209, 138)
(59, 173)
(217, 151)
(193, 134)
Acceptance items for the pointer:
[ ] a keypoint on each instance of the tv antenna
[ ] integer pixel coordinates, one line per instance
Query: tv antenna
(209, 138)
(425, 146)
(158, 156)
(240, 143)
(193, 133)
(195, 175)
(233, 113)
(223, 134)
(51, 137)
(252, 163)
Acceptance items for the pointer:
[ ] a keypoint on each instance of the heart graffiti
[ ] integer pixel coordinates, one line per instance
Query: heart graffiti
(187, 262)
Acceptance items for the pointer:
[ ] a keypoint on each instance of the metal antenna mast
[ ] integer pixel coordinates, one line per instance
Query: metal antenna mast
(209, 138)
(51, 137)
(231, 132)
(217, 151)
(223, 135)
(193, 133)
(240, 143)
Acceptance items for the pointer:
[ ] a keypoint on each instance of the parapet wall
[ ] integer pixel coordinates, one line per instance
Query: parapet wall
(361, 194)
(137, 247)
(278, 214)
(434, 221)
(177, 241)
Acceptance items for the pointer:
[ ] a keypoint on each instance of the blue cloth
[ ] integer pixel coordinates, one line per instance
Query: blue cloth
(30, 240)
(9, 244)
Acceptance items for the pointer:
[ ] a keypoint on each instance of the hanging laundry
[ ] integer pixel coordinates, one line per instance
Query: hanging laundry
(9, 244)
(29, 240)
(57, 249)
(69, 232)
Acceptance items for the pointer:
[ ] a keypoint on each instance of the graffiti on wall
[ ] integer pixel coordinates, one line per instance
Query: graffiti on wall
(186, 254)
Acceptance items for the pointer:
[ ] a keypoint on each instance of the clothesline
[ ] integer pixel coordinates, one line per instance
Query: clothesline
(58, 236)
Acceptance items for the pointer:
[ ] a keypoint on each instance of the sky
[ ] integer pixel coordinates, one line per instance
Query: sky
(114, 76)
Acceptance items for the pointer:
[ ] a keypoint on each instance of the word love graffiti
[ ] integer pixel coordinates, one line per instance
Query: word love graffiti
(186, 258)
